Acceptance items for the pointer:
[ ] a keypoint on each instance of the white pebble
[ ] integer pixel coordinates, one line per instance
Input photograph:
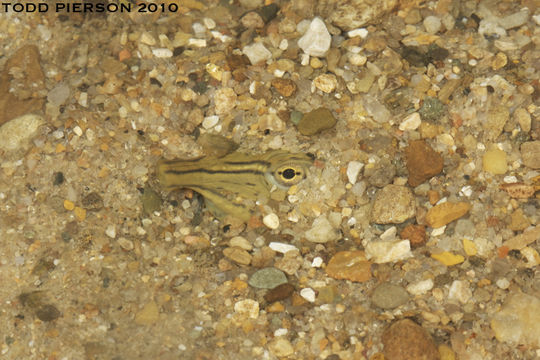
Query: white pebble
(389, 234)
(317, 262)
(271, 221)
(256, 53)
(460, 291)
(308, 294)
(221, 37)
(111, 231)
(466, 191)
(362, 32)
(411, 122)
(438, 231)
(162, 53)
(509, 179)
(77, 130)
(432, 24)
(198, 29)
(148, 39)
(353, 169)
(316, 41)
(83, 99)
(280, 332)
(210, 121)
(321, 231)
(282, 247)
(357, 59)
(247, 307)
(420, 287)
(197, 42)
(503, 283)
(209, 23)
(383, 251)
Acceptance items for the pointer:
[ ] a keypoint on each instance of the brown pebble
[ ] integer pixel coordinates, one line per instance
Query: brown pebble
(422, 162)
(433, 197)
(316, 121)
(406, 340)
(19, 94)
(280, 292)
(92, 202)
(297, 300)
(416, 234)
(48, 312)
(444, 213)
(286, 87)
(349, 265)
(518, 190)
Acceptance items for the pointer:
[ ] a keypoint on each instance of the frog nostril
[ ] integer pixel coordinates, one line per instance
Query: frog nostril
(289, 173)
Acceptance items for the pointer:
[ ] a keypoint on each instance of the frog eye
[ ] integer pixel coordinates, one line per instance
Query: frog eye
(289, 175)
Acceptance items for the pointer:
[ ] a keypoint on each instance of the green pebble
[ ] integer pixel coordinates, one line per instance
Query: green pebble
(267, 278)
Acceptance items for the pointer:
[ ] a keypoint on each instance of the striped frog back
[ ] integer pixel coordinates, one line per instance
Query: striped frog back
(225, 181)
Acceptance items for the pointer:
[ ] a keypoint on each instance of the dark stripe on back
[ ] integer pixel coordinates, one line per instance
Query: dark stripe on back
(207, 171)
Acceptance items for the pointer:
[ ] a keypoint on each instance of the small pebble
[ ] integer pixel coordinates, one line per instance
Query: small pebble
(281, 347)
(125, 244)
(382, 252)
(282, 247)
(225, 100)
(278, 293)
(321, 231)
(271, 221)
(286, 87)
(497, 117)
(80, 213)
(240, 242)
(420, 287)
(147, 39)
(317, 262)
(361, 32)
(406, 340)
(518, 321)
(422, 162)
(389, 296)
(237, 255)
(316, 41)
(349, 265)
(110, 231)
(445, 213)
(248, 308)
(59, 94)
(162, 53)
(316, 121)
(432, 24)
(257, 53)
(148, 315)
(393, 204)
(325, 82)
(353, 169)
(530, 154)
(16, 133)
(411, 122)
(308, 294)
(210, 121)
(494, 161)
(448, 258)
(460, 291)
(267, 278)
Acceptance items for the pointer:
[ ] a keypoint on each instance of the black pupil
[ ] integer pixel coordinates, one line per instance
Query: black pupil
(289, 173)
